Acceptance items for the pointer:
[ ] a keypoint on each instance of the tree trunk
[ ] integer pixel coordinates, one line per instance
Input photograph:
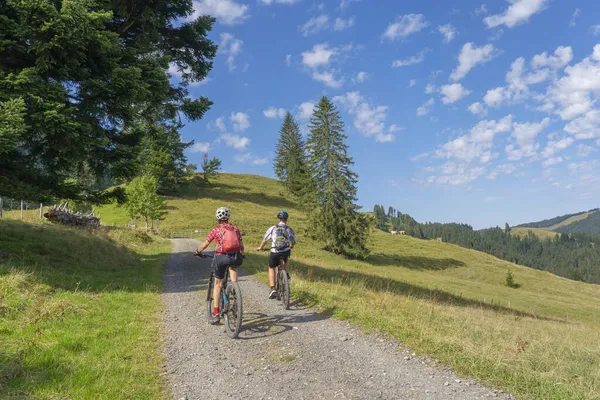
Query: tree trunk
(21, 209)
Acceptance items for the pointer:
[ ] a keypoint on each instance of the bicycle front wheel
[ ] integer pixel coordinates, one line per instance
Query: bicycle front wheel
(284, 289)
(234, 310)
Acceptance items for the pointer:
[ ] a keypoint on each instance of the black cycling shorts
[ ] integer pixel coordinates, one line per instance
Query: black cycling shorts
(274, 258)
(224, 260)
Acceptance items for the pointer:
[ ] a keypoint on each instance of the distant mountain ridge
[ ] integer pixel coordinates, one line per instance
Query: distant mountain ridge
(582, 222)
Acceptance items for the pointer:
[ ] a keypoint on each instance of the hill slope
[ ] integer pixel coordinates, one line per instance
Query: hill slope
(441, 299)
(583, 222)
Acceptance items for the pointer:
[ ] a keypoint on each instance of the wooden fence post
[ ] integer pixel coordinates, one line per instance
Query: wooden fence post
(0, 206)
(41, 210)
(21, 209)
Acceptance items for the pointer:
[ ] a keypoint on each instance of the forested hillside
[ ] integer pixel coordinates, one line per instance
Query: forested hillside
(571, 255)
(590, 224)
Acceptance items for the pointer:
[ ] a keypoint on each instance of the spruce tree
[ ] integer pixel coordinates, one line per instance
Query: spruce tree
(335, 220)
(290, 162)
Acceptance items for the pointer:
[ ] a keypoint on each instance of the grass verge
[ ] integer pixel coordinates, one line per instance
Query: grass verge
(79, 313)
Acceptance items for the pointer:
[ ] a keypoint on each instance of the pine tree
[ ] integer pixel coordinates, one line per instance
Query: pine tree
(335, 219)
(290, 160)
(210, 167)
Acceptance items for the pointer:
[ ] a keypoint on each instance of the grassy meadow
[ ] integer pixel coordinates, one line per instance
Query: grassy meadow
(538, 341)
(79, 312)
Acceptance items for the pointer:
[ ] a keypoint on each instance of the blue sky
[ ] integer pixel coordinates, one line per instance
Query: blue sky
(466, 111)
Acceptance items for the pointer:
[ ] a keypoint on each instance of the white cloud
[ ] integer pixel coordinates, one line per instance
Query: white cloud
(240, 121)
(481, 10)
(231, 47)
(341, 24)
(595, 29)
(429, 88)
(495, 97)
(305, 110)
(552, 161)
(405, 26)
(470, 56)
(574, 17)
(236, 141)
(220, 124)
(525, 134)
(227, 12)
(456, 174)
(346, 3)
(517, 13)
(320, 55)
(419, 156)
(453, 93)
(584, 150)
(477, 145)
(288, 60)
(269, 2)
(556, 146)
(506, 169)
(323, 22)
(315, 25)
(586, 126)
(573, 95)
(562, 56)
(448, 31)
(412, 83)
(328, 78)
(360, 77)
(368, 120)
(260, 161)
(425, 108)
(411, 60)
(477, 109)
(200, 148)
(273, 112)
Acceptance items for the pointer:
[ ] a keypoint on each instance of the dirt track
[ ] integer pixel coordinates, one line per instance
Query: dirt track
(293, 354)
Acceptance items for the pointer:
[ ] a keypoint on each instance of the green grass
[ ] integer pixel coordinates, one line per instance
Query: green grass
(442, 300)
(79, 313)
(541, 233)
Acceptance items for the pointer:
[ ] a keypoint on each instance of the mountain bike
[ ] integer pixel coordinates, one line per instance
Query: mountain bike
(230, 300)
(282, 283)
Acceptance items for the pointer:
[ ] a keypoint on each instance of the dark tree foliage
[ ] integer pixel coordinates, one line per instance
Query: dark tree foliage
(334, 220)
(84, 90)
(290, 159)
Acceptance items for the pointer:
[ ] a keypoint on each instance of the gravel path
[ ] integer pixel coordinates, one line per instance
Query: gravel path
(293, 354)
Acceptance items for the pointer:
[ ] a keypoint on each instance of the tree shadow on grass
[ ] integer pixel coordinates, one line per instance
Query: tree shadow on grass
(413, 262)
(381, 284)
(74, 260)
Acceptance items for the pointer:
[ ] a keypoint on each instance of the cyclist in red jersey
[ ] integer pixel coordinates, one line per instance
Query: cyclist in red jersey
(229, 252)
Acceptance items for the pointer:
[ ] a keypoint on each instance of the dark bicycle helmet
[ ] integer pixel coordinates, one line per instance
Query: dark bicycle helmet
(282, 214)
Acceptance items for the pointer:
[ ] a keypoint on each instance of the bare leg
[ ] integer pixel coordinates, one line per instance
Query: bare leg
(272, 277)
(233, 274)
(217, 292)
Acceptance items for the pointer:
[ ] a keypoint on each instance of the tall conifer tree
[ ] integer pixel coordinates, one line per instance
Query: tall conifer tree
(335, 219)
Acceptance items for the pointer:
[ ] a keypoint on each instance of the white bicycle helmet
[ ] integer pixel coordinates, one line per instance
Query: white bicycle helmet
(223, 213)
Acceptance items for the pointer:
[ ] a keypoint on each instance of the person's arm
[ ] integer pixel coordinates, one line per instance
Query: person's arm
(207, 242)
(240, 238)
(264, 241)
(292, 238)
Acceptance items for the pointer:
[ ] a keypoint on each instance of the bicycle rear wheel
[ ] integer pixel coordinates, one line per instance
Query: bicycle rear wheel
(209, 300)
(234, 310)
(284, 288)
